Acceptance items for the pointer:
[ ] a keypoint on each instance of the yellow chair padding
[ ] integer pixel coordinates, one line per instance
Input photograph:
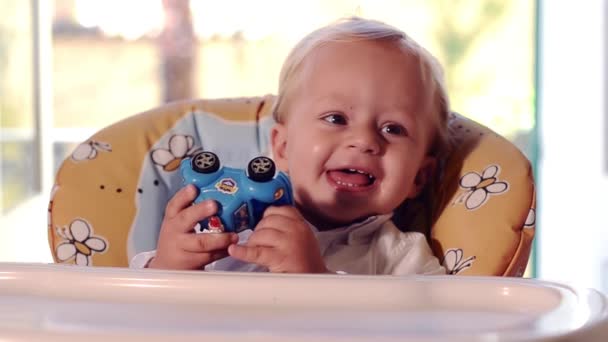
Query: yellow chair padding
(483, 206)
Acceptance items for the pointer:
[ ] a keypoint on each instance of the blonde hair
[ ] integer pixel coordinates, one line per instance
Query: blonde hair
(358, 29)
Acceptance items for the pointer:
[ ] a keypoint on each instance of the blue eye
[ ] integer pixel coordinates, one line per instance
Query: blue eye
(335, 118)
(394, 129)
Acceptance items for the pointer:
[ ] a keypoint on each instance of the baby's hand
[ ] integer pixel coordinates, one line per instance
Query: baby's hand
(179, 247)
(283, 242)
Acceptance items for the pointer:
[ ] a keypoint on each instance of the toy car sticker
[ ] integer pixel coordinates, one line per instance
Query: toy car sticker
(198, 228)
(241, 218)
(180, 147)
(227, 186)
(279, 193)
(215, 225)
(88, 150)
(479, 187)
(79, 243)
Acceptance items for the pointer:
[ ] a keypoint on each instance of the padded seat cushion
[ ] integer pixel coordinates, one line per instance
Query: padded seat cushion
(109, 195)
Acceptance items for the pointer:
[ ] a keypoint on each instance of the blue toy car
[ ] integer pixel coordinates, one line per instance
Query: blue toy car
(242, 196)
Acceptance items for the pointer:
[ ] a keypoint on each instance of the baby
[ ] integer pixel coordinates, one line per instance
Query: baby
(361, 117)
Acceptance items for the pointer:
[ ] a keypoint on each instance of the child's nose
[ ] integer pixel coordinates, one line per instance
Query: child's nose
(365, 141)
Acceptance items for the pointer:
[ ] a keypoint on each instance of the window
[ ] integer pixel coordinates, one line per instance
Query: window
(16, 105)
(112, 59)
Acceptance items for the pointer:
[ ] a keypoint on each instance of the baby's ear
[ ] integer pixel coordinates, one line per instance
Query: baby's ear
(424, 175)
(278, 139)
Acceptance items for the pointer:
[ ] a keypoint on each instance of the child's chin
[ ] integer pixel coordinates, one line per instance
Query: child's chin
(336, 221)
(328, 220)
(334, 215)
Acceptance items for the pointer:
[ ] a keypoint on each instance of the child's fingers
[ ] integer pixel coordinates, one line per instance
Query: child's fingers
(206, 258)
(259, 255)
(186, 219)
(277, 221)
(218, 255)
(265, 236)
(284, 210)
(206, 243)
(182, 199)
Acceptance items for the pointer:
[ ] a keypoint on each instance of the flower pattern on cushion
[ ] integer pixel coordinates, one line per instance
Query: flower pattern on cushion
(479, 187)
(180, 147)
(530, 219)
(79, 243)
(88, 150)
(454, 263)
(50, 206)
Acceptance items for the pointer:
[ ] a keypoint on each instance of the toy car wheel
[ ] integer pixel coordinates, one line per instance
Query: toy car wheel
(261, 169)
(205, 162)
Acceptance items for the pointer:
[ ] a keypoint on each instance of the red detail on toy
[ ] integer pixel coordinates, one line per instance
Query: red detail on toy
(215, 224)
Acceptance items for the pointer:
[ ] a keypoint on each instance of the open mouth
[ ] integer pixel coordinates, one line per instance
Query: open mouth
(351, 179)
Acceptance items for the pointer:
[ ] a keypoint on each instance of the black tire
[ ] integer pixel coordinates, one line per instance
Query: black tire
(205, 162)
(261, 169)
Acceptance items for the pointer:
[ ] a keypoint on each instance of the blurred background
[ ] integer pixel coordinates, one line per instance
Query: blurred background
(535, 73)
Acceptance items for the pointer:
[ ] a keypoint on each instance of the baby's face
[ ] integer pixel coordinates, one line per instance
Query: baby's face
(356, 132)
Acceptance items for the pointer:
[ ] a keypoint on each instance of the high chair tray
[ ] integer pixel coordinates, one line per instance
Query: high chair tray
(57, 302)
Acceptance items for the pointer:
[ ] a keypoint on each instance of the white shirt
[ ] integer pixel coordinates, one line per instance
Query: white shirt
(373, 246)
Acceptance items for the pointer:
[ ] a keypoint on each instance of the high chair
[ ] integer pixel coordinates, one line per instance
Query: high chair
(109, 195)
